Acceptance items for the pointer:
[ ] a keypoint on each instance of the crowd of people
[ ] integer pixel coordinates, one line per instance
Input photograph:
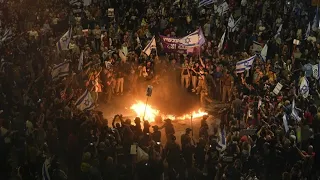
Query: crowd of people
(262, 134)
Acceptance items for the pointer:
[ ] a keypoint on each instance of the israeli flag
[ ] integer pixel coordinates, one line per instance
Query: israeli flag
(308, 31)
(85, 102)
(151, 45)
(256, 47)
(206, 2)
(315, 71)
(236, 25)
(294, 112)
(45, 170)
(59, 71)
(304, 87)
(246, 64)
(231, 23)
(264, 52)
(223, 8)
(63, 43)
(316, 23)
(222, 139)
(221, 42)
(194, 39)
(278, 32)
(285, 123)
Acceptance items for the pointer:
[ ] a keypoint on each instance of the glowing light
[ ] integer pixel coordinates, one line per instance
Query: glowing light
(151, 113)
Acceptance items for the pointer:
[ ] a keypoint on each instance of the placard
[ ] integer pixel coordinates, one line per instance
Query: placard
(110, 12)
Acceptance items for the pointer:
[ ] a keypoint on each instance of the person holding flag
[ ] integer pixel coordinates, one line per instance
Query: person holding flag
(151, 45)
(63, 43)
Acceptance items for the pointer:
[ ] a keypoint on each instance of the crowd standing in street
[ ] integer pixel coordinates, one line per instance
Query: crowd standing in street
(260, 57)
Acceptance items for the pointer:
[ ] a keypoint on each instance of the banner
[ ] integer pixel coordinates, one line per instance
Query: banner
(173, 45)
(110, 12)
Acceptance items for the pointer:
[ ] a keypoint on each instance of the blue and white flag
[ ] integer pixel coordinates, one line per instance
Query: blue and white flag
(194, 39)
(59, 71)
(63, 43)
(264, 52)
(221, 41)
(223, 8)
(222, 139)
(45, 170)
(85, 102)
(235, 26)
(231, 23)
(256, 47)
(285, 123)
(151, 45)
(316, 23)
(206, 2)
(80, 65)
(304, 87)
(278, 32)
(315, 71)
(244, 65)
(202, 39)
(308, 31)
(294, 112)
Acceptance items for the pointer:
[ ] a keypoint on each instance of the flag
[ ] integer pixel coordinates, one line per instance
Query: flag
(151, 45)
(315, 71)
(85, 102)
(231, 23)
(206, 2)
(246, 64)
(202, 39)
(285, 123)
(221, 41)
(45, 170)
(316, 22)
(264, 52)
(308, 30)
(256, 47)
(278, 32)
(63, 43)
(223, 8)
(142, 155)
(6, 35)
(222, 139)
(294, 113)
(80, 65)
(122, 55)
(194, 39)
(304, 87)
(59, 71)
(236, 25)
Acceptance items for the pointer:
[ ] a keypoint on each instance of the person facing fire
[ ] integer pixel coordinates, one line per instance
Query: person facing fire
(156, 135)
(185, 138)
(169, 129)
(187, 148)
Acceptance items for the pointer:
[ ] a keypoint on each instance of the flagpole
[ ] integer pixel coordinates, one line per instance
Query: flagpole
(145, 108)
(191, 124)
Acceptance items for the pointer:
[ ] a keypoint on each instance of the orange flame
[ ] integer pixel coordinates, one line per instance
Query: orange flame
(151, 113)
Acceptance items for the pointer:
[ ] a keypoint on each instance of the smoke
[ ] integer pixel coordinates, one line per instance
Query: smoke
(170, 97)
